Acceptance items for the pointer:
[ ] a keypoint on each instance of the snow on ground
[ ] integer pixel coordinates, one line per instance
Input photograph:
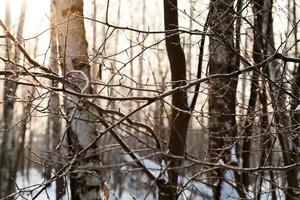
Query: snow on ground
(35, 181)
(132, 190)
(152, 166)
(228, 192)
(191, 186)
(266, 193)
(195, 187)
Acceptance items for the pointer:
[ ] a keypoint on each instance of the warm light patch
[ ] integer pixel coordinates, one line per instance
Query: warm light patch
(37, 22)
(37, 14)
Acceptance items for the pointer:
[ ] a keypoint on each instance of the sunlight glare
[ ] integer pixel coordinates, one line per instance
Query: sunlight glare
(36, 19)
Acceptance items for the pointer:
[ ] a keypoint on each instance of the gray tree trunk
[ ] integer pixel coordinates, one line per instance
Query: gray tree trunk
(263, 10)
(54, 118)
(222, 92)
(73, 46)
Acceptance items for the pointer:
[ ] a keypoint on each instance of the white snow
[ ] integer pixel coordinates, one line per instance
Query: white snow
(157, 170)
(194, 189)
(266, 193)
(234, 154)
(194, 186)
(228, 192)
(152, 166)
(35, 180)
(297, 108)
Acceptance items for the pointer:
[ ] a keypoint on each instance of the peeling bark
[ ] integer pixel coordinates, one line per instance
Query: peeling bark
(73, 50)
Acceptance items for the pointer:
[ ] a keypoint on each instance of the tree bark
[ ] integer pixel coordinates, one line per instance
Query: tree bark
(222, 92)
(180, 120)
(73, 48)
(6, 148)
(263, 14)
(295, 119)
(55, 120)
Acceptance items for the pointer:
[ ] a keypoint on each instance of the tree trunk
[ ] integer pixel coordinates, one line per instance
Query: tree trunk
(263, 14)
(295, 119)
(8, 147)
(21, 140)
(94, 66)
(266, 138)
(180, 120)
(279, 100)
(73, 48)
(56, 125)
(189, 50)
(222, 93)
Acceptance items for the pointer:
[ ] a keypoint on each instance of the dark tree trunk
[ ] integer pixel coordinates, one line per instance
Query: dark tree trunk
(180, 120)
(295, 119)
(263, 16)
(222, 92)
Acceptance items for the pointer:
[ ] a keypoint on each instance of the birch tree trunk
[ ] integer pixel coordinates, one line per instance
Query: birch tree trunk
(222, 92)
(73, 48)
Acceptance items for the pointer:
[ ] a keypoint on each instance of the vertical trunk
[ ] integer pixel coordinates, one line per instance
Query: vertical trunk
(114, 64)
(30, 141)
(295, 23)
(94, 63)
(244, 78)
(73, 48)
(222, 93)
(56, 126)
(20, 29)
(295, 119)
(244, 179)
(21, 141)
(246, 150)
(141, 71)
(266, 140)
(141, 57)
(159, 106)
(189, 56)
(263, 15)
(8, 149)
(46, 144)
(56, 132)
(131, 56)
(279, 100)
(257, 58)
(180, 120)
